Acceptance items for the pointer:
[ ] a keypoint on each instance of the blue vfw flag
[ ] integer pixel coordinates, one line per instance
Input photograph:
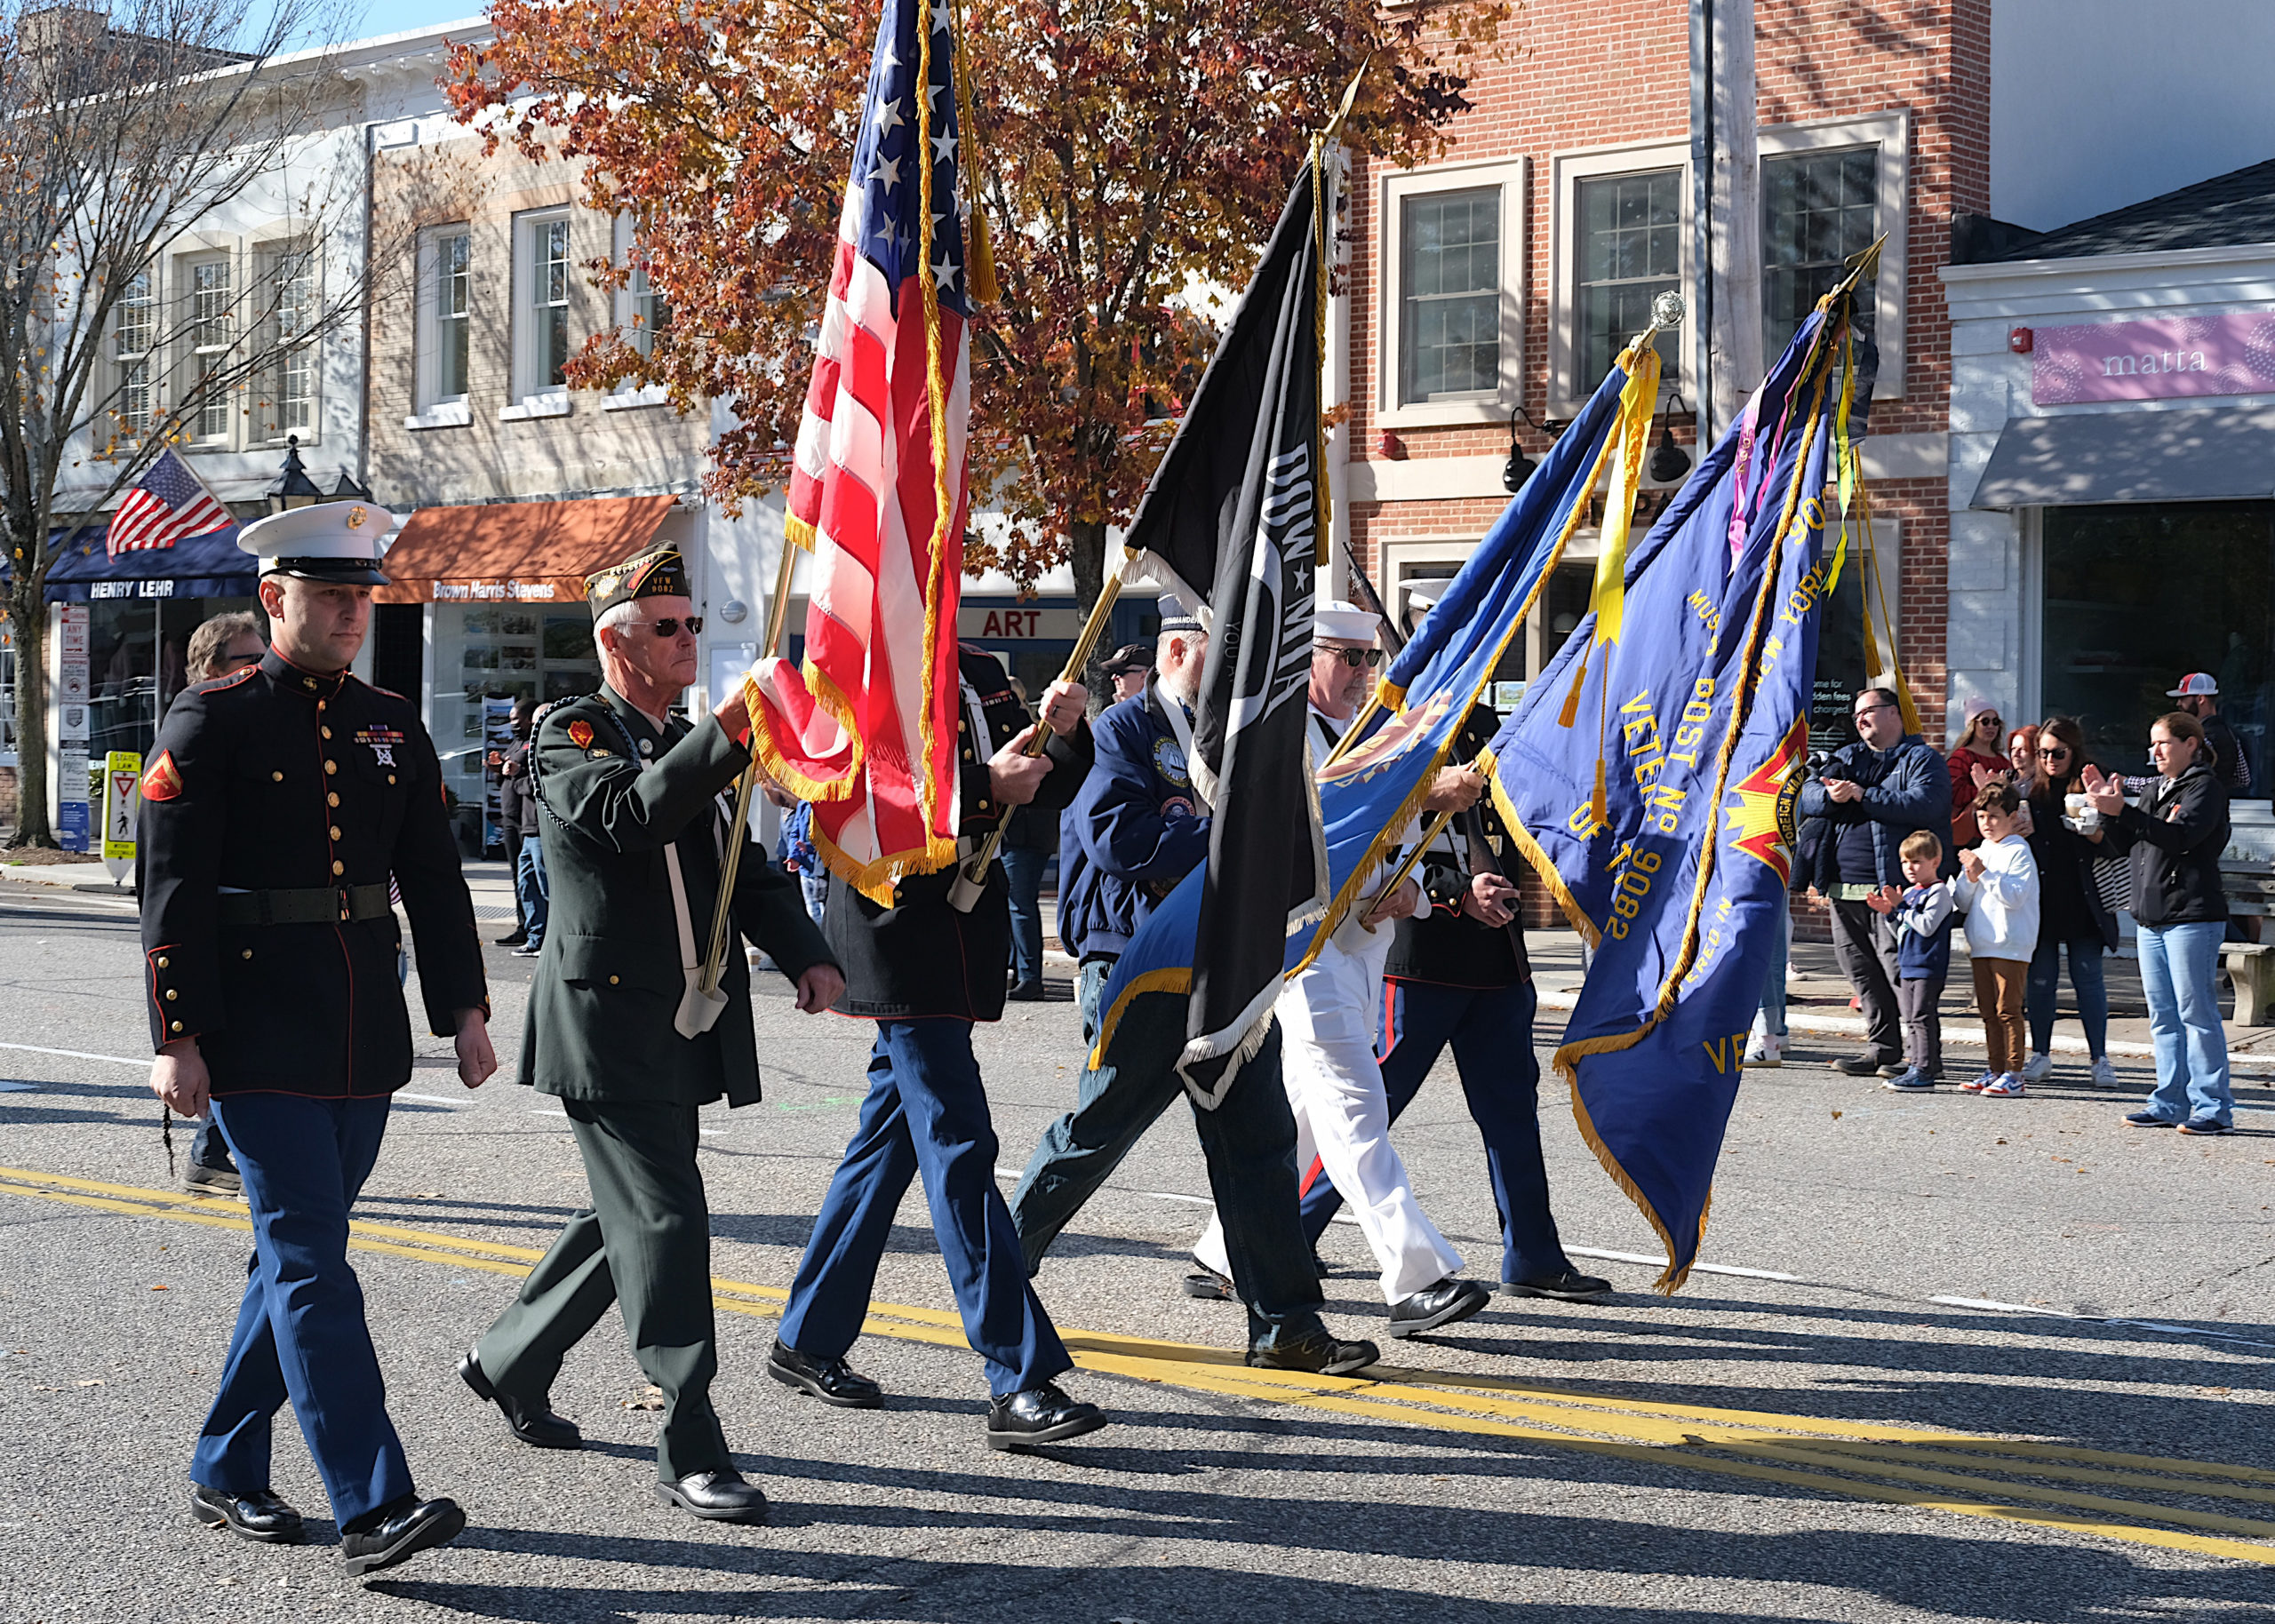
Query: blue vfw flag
(1368, 796)
(1680, 881)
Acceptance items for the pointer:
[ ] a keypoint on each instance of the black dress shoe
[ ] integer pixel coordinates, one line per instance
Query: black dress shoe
(1867, 1064)
(258, 1515)
(404, 1530)
(1322, 1356)
(831, 1380)
(1208, 1284)
(534, 1423)
(1450, 1299)
(1570, 1286)
(1038, 1415)
(721, 1497)
(511, 939)
(1026, 992)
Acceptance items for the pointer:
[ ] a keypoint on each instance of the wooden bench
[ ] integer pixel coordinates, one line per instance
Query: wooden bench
(2250, 888)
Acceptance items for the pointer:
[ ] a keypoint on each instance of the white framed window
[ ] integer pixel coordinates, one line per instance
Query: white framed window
(443, 340)
(1450, 273)
(642, 313)
(291, 385)
(210, 335)
(133, 336)
(542, 275)
(1621, 237)
(1828, 188)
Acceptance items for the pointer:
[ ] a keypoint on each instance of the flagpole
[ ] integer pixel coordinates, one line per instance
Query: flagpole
(778, 616)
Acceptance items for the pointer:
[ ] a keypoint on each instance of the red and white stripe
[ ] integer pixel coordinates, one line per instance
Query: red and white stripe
(149, 518)
(859, 731)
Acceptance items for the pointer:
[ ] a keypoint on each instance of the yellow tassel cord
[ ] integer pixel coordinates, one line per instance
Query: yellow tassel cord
(875, 879)
(1568, 1056)
(1608, 600)
(942, 516)
(1570, 713)
(979, 262)
(778, 766)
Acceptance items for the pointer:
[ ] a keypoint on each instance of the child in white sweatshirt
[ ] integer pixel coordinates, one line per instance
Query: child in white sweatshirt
(1997, 889)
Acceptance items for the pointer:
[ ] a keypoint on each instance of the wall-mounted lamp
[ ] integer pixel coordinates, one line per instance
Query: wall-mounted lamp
(1517, 469)
(1669, 461)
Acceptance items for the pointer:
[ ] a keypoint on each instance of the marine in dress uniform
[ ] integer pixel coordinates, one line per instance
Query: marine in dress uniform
(1328, 1013)
(1136, 828)
(278, 803)
(634, 828)
(925, 972)
(1458, 975)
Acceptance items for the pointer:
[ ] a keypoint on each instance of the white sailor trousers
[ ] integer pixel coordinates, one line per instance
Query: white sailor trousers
(1343, 1117)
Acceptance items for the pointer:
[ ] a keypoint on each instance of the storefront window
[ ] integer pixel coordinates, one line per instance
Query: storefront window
(506, 651)
(137, 653)
(2138, 596)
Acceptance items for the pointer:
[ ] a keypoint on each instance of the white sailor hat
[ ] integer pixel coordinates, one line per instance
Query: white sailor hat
(339, 541)
(1343, 622)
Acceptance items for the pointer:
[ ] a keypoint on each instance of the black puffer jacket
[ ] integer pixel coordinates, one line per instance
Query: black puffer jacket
(2176, 836)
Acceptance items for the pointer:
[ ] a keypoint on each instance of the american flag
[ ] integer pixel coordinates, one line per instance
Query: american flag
(867, 730)
(169, 503)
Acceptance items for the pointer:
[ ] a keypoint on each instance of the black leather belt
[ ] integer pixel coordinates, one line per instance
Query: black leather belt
(317, 905)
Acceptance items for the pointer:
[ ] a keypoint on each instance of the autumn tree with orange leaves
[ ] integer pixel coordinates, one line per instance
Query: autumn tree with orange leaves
(1127, 151)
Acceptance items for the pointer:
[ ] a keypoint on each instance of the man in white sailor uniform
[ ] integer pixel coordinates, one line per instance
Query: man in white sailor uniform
(1328, 1013)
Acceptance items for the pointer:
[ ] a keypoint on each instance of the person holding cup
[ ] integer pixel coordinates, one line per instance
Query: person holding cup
(2066, 838)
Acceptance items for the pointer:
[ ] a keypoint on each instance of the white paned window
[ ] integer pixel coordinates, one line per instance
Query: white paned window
(134, 333)
(292, 273)
(213, 333)
(453, 312)
(1828, 190)
(549, 303)
(1452, 280)
(1621, 236)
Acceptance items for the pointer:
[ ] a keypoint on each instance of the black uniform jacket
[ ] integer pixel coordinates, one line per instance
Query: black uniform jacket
(601, 1009)
(1447, 947)
(275, 779)
(922, 957)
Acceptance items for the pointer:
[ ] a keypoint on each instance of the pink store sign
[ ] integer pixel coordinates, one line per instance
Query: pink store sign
(2154, 361)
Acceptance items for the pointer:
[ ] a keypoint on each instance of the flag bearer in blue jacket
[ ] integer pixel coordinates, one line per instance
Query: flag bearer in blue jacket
(1136, 828)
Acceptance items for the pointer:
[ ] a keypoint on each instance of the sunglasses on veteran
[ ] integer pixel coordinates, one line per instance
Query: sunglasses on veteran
(669, 625)
(1355, 659)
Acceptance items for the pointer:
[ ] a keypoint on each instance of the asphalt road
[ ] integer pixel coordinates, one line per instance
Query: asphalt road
(1813, 1437)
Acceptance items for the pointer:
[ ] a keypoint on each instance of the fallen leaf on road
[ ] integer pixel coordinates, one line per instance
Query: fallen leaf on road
(652, 1399)
(1836, 1115)
(157, 1288)
(89, 1381)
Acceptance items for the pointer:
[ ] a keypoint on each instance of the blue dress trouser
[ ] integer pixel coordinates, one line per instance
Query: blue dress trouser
(926, 1113)
(300, 1331)
(1249, 1140)
(1490, 1030)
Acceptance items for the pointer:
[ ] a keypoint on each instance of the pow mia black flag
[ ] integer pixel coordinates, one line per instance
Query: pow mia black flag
(1235, 522)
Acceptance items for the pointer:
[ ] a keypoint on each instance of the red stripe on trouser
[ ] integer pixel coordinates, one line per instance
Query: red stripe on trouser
(1389, 1027)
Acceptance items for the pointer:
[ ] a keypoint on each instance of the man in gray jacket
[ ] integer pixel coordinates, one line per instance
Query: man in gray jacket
(1870, 794)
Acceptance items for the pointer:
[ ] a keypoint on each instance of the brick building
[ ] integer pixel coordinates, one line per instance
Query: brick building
(1493, 288)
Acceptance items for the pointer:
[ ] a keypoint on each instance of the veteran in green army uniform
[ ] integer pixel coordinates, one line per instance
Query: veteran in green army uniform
(630, 811)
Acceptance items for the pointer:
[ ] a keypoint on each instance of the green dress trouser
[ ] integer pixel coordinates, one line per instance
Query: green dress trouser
(644, 1243)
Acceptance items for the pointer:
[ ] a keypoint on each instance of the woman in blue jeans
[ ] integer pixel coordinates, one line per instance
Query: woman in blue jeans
(2072, 917)
(2176, 836)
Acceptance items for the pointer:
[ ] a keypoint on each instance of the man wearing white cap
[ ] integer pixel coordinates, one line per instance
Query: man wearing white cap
(279, 800)
(2198, 694)
(1328, 1013)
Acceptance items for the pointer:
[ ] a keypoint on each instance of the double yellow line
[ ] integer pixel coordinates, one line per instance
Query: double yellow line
(2040, 1485)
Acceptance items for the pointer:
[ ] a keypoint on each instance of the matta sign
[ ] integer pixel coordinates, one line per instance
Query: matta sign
(2167, 359)
(1018, 625)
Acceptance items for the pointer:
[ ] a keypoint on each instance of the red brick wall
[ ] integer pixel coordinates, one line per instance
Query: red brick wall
(1569, 75)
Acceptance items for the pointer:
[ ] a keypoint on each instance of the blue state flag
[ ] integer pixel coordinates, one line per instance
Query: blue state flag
(1704, 742)
(1368, 795)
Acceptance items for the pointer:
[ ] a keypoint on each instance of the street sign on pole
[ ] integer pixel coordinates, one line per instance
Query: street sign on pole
(122, 805)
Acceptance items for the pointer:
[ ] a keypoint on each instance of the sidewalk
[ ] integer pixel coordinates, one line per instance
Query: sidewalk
(1816, 1002)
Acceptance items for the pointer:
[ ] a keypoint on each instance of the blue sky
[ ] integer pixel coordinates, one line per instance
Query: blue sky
(402, 15)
